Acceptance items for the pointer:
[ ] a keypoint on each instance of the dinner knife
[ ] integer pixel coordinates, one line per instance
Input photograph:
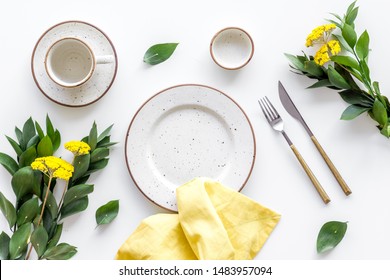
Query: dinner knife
(293, 111)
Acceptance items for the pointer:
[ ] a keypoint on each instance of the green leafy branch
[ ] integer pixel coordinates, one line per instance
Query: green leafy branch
(32, 188)
(349, 73)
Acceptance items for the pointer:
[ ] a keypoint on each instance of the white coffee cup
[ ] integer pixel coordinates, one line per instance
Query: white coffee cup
(70, 62)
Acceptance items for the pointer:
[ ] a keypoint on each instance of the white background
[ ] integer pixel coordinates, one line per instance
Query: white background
(277, 181)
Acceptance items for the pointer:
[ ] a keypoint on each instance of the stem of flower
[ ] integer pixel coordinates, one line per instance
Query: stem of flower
(62, 198)
(42, 211)
(63, 194)
(45, 200)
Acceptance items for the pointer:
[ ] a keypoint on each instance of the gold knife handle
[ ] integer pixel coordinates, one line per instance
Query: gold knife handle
(325, 198)
(334, 170)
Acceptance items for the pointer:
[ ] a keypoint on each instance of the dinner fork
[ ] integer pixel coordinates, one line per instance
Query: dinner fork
(276, 122)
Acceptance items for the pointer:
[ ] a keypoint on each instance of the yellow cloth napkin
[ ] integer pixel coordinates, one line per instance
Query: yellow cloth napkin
(213, 223)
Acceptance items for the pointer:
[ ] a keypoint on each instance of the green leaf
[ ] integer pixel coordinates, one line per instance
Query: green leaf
(159, 53)
(386, 131)
(379, 112)
(353, 111)
(313, 68)
(9, 163)
(19, 136)
(28, 211)
(351, 7)
(344, 44)
(105, 143)
(97, 165)
(105, 133)
(376, 87)
(295, 61)
(27, 157)
(33, 141)
(74, 207)
(99, 154)
(23, 182)
(51, 203)
(49, 127)
(336, 79)
(8, 210)
(45, 147)
(81, 165)
(355, 97)
(19, 241)
(18, 150)
(349, 35)
(335, 23)
(81, 180)
(336, 16)
(36, 187)
(28, 130)
(330, 235)
(4, 246)
(351, 16)
(346, 61)
(62, 251)
(39, 130)
(56, 140)
(347, 75)
(362, 46)
(77, 192)
(56, 237)
(365, 70)
(106, 213)
(39, 240)
(92, 138)
(321, 83)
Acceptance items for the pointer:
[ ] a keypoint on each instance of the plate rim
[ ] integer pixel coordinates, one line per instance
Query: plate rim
(33, 56)
(177, 86)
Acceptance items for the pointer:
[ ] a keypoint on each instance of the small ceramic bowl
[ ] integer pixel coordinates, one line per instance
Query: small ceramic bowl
(232, 48)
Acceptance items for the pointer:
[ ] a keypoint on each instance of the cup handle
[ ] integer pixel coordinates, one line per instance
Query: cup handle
(104, 59)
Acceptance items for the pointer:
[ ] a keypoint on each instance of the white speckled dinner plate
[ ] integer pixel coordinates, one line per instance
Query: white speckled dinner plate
(96, 86)
(184, 132)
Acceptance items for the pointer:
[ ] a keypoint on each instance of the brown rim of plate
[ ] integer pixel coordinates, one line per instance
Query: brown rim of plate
(186, 85)
(44, 34)
(219, 32)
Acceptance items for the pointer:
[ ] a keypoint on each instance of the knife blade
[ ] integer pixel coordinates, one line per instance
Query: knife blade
(290, 107)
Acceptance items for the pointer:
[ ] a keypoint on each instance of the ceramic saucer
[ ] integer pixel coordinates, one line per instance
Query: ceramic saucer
(102, 79)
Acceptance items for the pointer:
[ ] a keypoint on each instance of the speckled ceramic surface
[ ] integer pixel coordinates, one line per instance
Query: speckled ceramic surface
(232, 48)
(184, 132)
(96, 86)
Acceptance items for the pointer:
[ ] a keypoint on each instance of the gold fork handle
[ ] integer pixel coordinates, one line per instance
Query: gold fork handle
(325, 198)
(332, 168)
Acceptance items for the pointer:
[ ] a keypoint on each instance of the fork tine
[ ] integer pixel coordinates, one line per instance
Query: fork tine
(266, 114)
(272, 108)
(268, 109)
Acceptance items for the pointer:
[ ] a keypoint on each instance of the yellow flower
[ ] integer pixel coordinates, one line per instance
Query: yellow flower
(54, 167)
(334, 47)
(322, 55)
(319, 34)
(78, 148)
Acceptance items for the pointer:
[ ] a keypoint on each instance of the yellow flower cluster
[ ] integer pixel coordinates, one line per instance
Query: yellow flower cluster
(322, 56)
(319, 34)
(53, 166)
(78, 148)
